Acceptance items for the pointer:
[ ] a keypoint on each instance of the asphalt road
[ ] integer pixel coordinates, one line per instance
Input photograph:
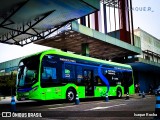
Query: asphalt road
(116, 109)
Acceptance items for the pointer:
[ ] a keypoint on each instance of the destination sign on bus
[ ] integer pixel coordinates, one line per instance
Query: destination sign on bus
(67, 60)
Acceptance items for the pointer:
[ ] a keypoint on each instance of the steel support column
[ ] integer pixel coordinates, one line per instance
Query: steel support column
(85, 49)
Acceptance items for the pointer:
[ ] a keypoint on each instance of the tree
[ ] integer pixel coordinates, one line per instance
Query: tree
(11, 82)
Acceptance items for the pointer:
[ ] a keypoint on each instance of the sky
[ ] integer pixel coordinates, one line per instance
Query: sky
(147, 19)
(146, 15)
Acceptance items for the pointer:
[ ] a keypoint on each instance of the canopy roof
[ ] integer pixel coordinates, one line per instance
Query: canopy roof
(24, 21)
(71, 37)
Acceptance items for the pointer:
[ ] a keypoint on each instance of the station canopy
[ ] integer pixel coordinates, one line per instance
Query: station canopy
(72, 37)
(25, 21)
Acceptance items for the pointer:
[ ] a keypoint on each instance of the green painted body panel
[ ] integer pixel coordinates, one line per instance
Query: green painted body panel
(113, 90)
(132, 89)
(55, 93)
(101, 91)
(59, 92)
(81, 91)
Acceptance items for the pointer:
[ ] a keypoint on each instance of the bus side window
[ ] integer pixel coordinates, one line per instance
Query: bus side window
(79, 75)
(48, 71)
(49, 74)
(69, 72)
(98, 80)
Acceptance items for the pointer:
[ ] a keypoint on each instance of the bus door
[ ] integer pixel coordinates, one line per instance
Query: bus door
(89, 85)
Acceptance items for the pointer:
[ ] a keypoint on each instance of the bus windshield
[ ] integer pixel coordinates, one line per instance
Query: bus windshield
(27, 72)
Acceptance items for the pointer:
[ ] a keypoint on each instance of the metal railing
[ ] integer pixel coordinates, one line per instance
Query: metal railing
(151, 56)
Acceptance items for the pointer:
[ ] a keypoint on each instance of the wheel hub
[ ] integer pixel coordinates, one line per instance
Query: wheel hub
(70, 95)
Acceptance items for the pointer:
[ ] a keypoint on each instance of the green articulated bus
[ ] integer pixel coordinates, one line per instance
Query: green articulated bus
(54, 75)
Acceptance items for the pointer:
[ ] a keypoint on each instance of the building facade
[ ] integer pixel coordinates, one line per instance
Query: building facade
(150, 46)
(146, 66)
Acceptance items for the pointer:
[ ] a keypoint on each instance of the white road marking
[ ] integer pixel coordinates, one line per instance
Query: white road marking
(63, 107)
(99, 108)
(52, 105)
(102, 102)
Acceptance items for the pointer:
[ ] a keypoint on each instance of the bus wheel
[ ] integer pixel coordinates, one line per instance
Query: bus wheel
(119, 93)
(70, 95)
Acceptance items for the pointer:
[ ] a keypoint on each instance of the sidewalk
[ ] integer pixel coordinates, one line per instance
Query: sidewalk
(5, 99)
(136, 95)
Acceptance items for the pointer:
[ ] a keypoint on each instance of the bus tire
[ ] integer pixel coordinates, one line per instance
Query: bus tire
(119, 93)
(71, 95)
